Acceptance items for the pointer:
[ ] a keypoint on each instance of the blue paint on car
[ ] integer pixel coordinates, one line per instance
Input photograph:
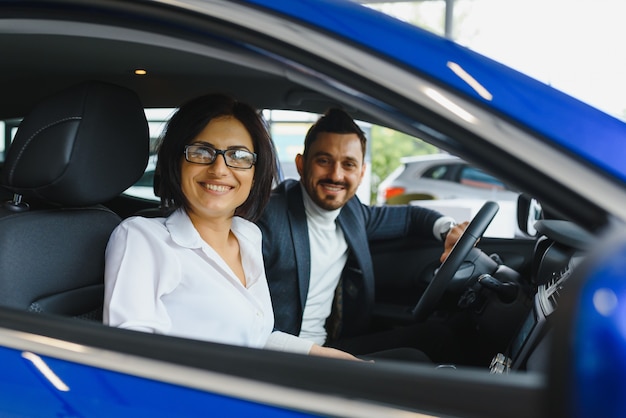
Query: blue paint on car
(594, 136)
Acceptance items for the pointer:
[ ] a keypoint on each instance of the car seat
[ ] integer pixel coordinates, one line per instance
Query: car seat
(73, 152)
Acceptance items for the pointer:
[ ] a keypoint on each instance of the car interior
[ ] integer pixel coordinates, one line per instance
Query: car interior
(493, 299)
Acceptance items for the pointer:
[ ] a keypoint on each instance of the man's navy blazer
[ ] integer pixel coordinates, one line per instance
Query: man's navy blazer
(287, 254)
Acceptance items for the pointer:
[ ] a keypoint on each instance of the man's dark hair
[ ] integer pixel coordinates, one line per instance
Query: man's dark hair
(190, 119)
(336, 121)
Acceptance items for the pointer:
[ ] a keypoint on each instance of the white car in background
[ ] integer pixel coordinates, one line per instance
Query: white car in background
(439, 177)
(451, 186)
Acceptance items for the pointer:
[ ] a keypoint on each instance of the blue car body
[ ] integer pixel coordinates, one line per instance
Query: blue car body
(597, 361)
(511, 93)
(93, 392)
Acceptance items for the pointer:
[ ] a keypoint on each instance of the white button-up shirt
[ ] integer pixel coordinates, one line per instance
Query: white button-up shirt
(162, 277)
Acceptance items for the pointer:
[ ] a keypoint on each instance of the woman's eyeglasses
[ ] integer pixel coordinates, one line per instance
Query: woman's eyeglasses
(235, 158)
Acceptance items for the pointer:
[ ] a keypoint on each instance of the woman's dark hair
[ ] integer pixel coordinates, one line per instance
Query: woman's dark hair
(335, 121)
(185, 125)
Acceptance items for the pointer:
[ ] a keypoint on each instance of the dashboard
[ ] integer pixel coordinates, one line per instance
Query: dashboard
(561, 247)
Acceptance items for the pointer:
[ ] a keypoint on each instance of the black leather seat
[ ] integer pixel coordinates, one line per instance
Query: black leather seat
(73, 152)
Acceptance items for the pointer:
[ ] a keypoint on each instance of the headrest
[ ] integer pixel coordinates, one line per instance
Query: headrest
(82, 146)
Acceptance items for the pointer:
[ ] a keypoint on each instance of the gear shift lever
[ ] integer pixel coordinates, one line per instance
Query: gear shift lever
(507, 291)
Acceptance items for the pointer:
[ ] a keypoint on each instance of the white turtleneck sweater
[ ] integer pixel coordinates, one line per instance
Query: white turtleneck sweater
(329, 252)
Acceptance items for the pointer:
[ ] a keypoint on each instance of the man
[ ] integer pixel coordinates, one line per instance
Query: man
(316, 236)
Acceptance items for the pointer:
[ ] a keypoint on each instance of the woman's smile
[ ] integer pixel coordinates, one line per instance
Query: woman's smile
(219, 188)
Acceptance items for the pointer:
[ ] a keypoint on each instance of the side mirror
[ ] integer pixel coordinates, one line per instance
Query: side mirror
(529, 211)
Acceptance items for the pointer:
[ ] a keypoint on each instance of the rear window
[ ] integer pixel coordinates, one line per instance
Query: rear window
(439, 172)
(476, 178)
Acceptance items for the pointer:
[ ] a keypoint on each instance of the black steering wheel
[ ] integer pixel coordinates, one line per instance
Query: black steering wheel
(446, 271)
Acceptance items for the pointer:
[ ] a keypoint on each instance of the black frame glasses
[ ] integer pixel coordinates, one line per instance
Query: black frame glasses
(234, 157)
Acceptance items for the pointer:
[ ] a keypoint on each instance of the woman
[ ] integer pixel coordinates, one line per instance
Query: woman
(199, 272)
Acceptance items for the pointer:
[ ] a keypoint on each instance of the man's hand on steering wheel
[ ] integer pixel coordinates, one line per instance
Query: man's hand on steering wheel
(454, 254)
(451, 239)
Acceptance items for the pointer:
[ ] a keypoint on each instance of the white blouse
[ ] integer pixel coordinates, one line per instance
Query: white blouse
(162, 277)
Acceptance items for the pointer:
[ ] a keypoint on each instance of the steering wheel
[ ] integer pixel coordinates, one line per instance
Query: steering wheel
(437, 286)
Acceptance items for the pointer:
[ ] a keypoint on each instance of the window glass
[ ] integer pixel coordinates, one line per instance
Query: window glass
(437, 172)
(474, 177)
(143, 188)
(8, 129)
